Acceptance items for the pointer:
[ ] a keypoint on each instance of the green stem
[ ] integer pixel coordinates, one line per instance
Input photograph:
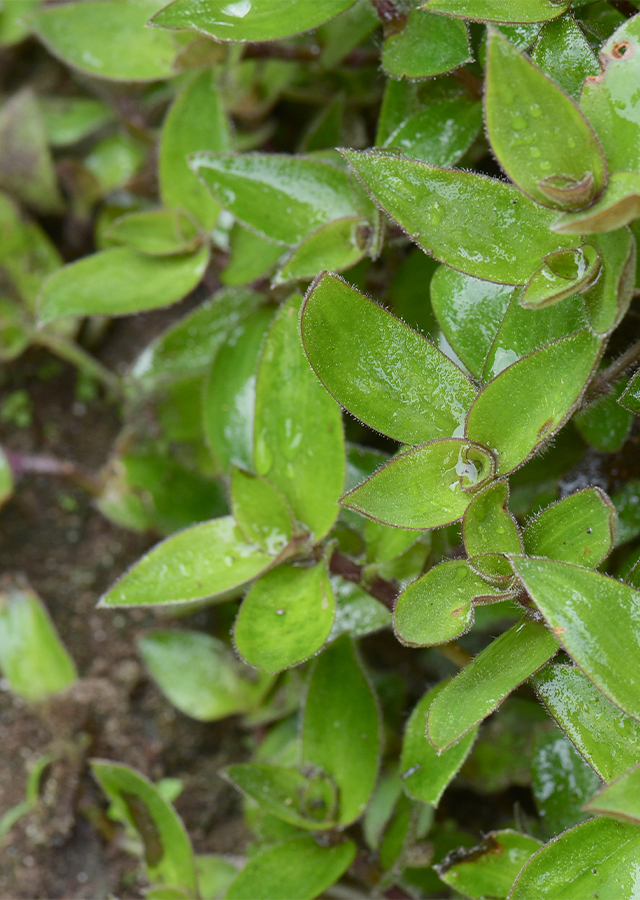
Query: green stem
(73, 353)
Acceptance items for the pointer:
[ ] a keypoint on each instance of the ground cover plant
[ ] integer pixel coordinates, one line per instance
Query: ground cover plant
(386, 448)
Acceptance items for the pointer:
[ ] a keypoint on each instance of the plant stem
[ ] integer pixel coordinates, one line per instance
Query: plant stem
(73, 353)
(39, 464)
(602, 383)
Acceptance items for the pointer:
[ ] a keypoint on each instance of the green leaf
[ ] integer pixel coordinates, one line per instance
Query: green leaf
(229, 393)
(561, 275)
(6, 478)
(114, 161)
(605, 424)
(69, 119)
(251, 256)
(26, 253)
(298, 440)
(281, 198)
(485, 682)
(261, 511)
(427, 45)
(630, 397)
(437, 608)
(596, 857)
(287, 793)
(436, 121)
(524, 331)
(187, 348)
(286, 617)
(564, 53)
(108, 39)
(196, 121)
(162, 232)
(341, 729)
(607, 300)
(608, 98)
(200, 675)
(579, 529)
(489, 529)
(297, 868)
(469, 312)
(425, 771)
(627, 504)
(618, 205)
(532, 398)
(249, 20)
(426, 487)
(119, 281)
(357, 613)
(32, 656)
(202, 561)
(215, 875)
(561, 780)
(489, 869)
(343, 34)
(167, 848)
(495, 11)
(378, 368)
(503, 241)
(608, 739)
(338, 245)
(620, 799)
(14, 18)
(594, 617)
(531, 123)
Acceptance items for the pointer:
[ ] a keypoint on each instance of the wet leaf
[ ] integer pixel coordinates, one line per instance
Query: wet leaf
(485, 682)
(158, 233)
(282, 198)
(598, 856)
(286, 617)
(341, 730)
(200, 675)
(489, 869)
(621, 800)
(469, 312)
(608, 739)
(249, 20)
(251, 256)
(488, 529)
(167, 848)
(531, 399)
(426, 487)
(561, 275)
(298, 439)
(295, 868)
(337, 246)
(531, 123)
(229, 394)
(202, 561)
(495, 11)
(630, 397)
(618, 205)
(378, 368)
(32, 656)
(119, 281)
(357, 613)
(503, 241)
(594, 617)
(428, 45)
(564, 53)
(196, 121)
(425, 772)
(287, 793)
(579, 529)
(260, 511)
(108, 39)
(607, 300)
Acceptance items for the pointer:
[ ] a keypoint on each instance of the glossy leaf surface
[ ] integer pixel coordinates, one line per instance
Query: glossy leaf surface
(618, 205)
(595, 618)
(608, 299)
(531, 124)
(489, 528)
(561, 275)
(108, 39)
(282, 198)
(531, 399)
(119, 281)
(564, 53)
(503, 241)
(607, 738)
(249, 20)
(423, 487)
(32, 657)
(489, 869)
(621, 800)
(357, 613)
(425, 772)
(298, 441)
(196, 121)
(598, 856)
(378, 368)
(469, 312)
(200, 675)
(497, 11)
(286, 617)
(484, 683)
(340, 731)
(578, 529)
(199, 562)
(428, 45)
(167, 849)
(298, 868)
(338, 245)
(260, 511)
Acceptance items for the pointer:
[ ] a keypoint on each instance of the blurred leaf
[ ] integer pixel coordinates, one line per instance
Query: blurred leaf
(14, 20)
(251, 256)
(114, 160)
(68, 120)
(26, 253)
(6, 478)
(214, 874)
(627, 504)
(564, 53)
(605, 424)
(342, 34)
(489, 869)
(561, 780)
(621, 800)
(578, 529)
(427, 45)
(630, 397)
(161, 232)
